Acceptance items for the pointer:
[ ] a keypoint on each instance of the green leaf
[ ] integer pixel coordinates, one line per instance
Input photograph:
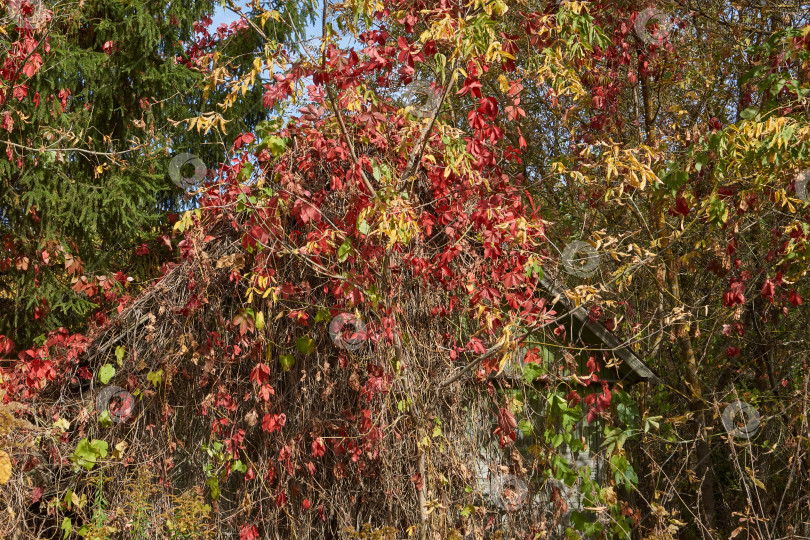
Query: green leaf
(104, 418)
(344, 250)
(535, 269)
(87, 452)
(246, 171)
(106, 373)
(213, 484)
(239, 466)
(119, 354)
(526, 427)
(373, 295)
(305, 344)
(67, 526)
(363, 227)
(155, 377)
(276, 145)
(651, 421)
(531, 371)
(100, 447)
(286, 361)
(749, 114)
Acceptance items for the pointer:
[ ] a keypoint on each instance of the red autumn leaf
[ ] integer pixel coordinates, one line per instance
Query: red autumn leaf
(260, 374)
(20, 92)
(33, 65)
(306, 212)
(417, 481)
(768, 290)
(318, 448)
(281, 498)
(248, 532)
(256, 234)
(273, 422)
(6, 345)
(681, 206)
(244, 322)
(7, 122)
(266, 391)
(794, 298)
(506, 426)
(734, 295)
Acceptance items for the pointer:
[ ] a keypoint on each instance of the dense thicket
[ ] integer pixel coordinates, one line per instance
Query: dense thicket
(671, 139)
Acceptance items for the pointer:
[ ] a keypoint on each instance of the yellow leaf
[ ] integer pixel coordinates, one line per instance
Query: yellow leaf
(504, 83)
(120, 448)
(260, 321)
(5, 467)
(502, 363)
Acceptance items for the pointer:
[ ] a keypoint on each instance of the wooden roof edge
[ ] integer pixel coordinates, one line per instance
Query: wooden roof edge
(636, 364)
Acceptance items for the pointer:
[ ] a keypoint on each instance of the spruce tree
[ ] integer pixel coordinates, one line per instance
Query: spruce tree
(93, 97)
